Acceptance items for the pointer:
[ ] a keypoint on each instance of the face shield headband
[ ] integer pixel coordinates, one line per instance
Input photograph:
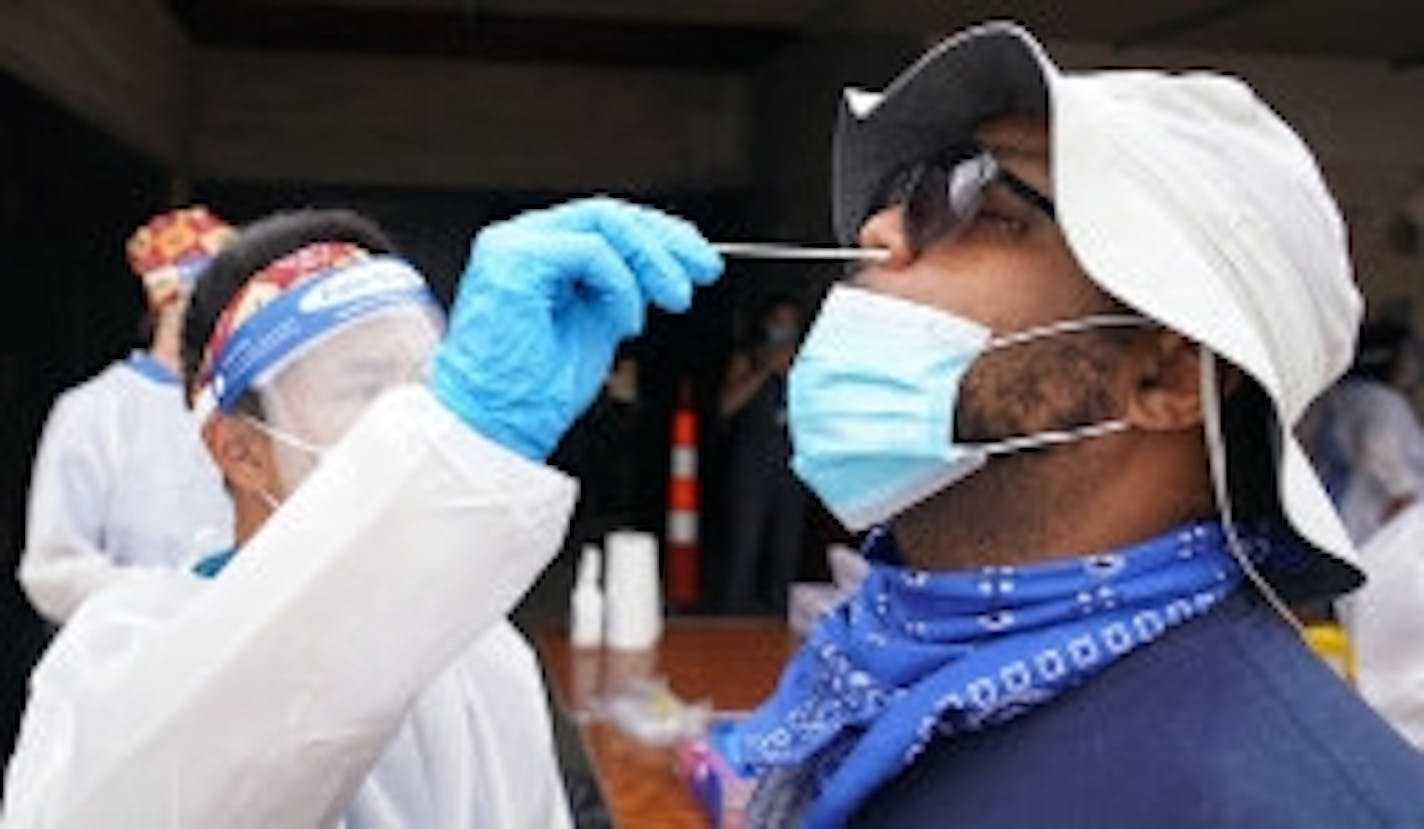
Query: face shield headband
(292, 304)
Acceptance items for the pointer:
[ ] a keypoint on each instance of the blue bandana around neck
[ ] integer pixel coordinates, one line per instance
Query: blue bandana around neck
(914, 655)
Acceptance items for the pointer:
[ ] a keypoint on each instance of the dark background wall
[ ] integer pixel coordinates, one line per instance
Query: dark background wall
(69, 195)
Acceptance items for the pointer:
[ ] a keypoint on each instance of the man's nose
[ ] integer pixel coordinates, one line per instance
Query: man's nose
(886, 229)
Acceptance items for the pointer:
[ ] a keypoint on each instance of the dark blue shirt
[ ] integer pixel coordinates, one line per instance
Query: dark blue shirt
(1228, 721)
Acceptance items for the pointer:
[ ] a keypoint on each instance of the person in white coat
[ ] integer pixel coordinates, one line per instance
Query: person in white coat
(1384, 624)
(1369, 447)
(350, 664)
(120, 480)
(1364, 435)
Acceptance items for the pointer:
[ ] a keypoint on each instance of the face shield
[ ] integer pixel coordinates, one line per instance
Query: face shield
(309, 402)
(310, 342)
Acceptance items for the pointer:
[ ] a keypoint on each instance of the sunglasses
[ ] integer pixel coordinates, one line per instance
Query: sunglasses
(941, 197)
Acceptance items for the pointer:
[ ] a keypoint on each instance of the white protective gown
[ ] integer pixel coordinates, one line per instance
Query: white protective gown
(121, 481)
(351, 667)
(1385, 623)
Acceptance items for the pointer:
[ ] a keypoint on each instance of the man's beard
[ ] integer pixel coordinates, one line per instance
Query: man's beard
(1039, 387)
(1045, 386)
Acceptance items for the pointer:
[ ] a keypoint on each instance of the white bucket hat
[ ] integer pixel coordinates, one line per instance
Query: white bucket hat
(1183, 196)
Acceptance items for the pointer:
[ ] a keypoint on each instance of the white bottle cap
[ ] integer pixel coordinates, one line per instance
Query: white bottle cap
(586, 604)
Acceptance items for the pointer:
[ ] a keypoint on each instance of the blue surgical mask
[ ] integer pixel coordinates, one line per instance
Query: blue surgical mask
(872, 397)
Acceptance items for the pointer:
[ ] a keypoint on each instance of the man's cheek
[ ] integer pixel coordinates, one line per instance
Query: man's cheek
(1036, 388)
(987, 408)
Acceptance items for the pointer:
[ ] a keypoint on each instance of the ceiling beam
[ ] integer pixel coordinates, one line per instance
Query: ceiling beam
(455, 33)
(1406, 62)
(1175, 26)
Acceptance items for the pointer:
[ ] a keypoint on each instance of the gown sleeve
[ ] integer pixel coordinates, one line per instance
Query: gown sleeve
(63, 563)
(267, 698)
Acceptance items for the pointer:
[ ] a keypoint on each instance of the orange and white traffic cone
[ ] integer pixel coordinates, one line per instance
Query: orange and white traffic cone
(683, 576)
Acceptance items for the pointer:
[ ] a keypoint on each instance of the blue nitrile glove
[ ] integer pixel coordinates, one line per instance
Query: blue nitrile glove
(545, 300)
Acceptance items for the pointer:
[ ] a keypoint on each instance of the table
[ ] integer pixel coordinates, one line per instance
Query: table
(733, 662)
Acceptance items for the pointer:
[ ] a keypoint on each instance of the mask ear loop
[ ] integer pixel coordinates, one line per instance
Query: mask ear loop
(1216, 457)
(1011, 445)
(269, 499)
(285, 437)
(1008, 446)
(1069, 326)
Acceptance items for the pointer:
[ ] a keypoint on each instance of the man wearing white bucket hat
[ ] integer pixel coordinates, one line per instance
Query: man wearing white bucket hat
(1062, 403)
(348, 663)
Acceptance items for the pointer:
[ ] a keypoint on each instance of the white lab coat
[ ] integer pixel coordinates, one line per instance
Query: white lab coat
(121, 481)
(351, 667)
(1384, 621)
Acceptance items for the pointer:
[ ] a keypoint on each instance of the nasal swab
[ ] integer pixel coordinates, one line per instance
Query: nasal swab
(777, 250)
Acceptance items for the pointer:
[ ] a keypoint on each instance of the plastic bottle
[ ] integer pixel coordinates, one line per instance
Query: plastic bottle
(586, 602)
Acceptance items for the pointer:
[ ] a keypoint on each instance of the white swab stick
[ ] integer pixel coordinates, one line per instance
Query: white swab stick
(777, 250)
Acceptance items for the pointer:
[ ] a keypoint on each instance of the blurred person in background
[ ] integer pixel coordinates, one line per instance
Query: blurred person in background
(1364, 434)
(766, 505)
(601, 450)
(121, 480)
(1367, 443)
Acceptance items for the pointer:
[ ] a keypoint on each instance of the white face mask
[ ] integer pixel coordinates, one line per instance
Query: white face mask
(314, 451)
(872, 398)
(310, 401)
(291, 470)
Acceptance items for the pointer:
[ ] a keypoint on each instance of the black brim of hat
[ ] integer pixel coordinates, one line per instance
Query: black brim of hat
(936, 104)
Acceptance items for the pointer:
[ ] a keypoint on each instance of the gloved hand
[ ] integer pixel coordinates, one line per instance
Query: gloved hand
(544, 301)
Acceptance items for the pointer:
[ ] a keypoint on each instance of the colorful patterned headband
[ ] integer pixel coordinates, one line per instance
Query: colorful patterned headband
(171, 250)
(289, 304)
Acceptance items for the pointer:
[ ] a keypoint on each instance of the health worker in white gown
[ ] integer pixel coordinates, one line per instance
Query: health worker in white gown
(121, 480)
(350, 663)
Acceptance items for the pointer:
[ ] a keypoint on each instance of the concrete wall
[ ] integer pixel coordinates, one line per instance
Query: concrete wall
(222, 115)
(126, 66)
(123, 65)
(467, 124)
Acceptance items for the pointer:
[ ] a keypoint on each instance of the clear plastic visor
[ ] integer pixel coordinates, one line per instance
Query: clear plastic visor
(316, 395)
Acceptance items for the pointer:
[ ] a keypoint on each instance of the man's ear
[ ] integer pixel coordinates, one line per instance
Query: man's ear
(242, 454)
(1165, 377)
